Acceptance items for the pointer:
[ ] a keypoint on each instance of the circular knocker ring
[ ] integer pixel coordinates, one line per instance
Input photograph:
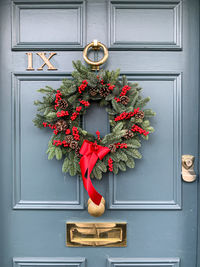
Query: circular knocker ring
(96, 46)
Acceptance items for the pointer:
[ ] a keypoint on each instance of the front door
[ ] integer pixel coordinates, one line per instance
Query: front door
(155, 44)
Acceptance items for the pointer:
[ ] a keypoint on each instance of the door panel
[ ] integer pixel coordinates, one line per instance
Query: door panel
(172, 262)
(157, 25)
(153, 43)
(76, 262)
(35, 189)
(157, 181)
(52, 26)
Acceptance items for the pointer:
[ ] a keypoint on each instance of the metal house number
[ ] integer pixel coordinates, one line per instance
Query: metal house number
(46, 60)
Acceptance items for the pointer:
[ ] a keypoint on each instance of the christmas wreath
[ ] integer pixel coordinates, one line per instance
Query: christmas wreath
(85, 154)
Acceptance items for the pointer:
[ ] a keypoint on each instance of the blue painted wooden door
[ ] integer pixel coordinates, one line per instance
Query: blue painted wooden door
(154, 43)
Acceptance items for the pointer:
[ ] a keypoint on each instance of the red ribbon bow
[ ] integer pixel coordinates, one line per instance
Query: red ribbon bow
(90, 153)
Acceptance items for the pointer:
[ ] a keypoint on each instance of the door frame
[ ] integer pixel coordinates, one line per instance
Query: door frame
(197, 160)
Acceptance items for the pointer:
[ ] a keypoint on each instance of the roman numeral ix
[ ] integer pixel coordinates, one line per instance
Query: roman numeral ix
(46, 60)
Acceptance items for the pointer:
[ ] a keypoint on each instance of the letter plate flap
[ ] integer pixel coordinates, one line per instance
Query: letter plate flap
(96, 234)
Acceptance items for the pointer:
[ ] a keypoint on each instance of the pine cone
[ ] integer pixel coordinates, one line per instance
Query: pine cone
(93, 91)
(112, 148)
(104, 91)
(61, 125)
(69, 138)
(73, 144)
(77, 152)
(139, 115)
(62, 104)
(124, 99)
(129, 134)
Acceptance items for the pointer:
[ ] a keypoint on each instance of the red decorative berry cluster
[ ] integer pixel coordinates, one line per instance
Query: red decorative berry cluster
(75, 133)
(98, 135)
(110, 87)
(85, 103)
(110, 164)
(136, 128)
(125, 89)
(60, 143)
(117, 99)
(82, 87)
(67, 131)
(75, 114)
(127, 115)
(121, 145)
(62, 113)
(58, 97)
(52, 126)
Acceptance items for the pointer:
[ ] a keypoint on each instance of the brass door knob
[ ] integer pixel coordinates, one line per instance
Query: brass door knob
(188, 173)
(96, 46)
(96, 210)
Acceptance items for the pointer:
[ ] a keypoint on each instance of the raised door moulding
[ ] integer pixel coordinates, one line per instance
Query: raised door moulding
(77, 9)
(49, 261)
(18, 202)
(141, 38)
(143, 262)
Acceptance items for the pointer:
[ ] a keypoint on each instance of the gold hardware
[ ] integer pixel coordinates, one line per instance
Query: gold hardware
(188, 173)
(30, 61)
(96, 46)
(96, 210)
(46, 60)
(108, 234)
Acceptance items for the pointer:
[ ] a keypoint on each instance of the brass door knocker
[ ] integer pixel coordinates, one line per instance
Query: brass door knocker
(95, 45)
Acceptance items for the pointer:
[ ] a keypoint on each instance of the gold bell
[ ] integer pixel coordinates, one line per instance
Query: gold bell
(96, 210)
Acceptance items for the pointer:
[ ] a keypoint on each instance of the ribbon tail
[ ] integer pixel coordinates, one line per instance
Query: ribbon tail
(93, 194)
(87, 163)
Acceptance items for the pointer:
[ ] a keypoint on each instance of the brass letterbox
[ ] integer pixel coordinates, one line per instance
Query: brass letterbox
(81, 234)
